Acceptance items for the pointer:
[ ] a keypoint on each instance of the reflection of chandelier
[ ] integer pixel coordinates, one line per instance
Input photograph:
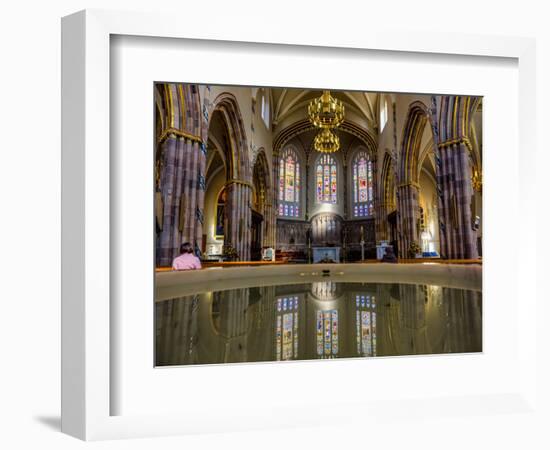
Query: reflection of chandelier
(326, 142)
(326, 111)
(325, 290)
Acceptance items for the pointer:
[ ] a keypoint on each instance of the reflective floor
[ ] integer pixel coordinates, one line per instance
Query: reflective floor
(318, 320)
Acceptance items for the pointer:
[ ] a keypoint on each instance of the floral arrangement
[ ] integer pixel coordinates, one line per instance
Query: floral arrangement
(230, 253)
(414, 249)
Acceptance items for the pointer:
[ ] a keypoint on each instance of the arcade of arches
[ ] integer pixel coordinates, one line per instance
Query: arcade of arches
(237, 172)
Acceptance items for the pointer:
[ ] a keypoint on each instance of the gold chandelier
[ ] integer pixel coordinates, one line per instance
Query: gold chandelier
(327, 113)
(326, 142)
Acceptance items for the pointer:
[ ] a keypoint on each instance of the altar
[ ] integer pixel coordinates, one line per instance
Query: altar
(381, 249)
(326, 254)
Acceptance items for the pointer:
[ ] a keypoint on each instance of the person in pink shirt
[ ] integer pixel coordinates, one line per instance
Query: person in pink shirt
(187, 260)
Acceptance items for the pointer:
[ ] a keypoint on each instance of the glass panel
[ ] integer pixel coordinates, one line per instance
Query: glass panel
(319, 183)
(289, 184)
(326, 176)
(362, 179)
(278, 336)
(297, 191)
(362, 185)
(286, 331)
(355, 183)
(319, 333)
(333, 183)
(281, 179)
(289, 175)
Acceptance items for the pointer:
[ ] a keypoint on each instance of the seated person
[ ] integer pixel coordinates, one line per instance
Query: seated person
(389, 256)
(187, 260)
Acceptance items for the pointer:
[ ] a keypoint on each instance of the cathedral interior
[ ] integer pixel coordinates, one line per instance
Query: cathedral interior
(315, 175)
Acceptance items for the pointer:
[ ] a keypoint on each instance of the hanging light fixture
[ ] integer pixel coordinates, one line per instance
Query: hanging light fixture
(326, 111)
(326, 142)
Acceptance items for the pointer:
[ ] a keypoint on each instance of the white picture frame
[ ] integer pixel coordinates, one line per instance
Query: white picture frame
(87, 286)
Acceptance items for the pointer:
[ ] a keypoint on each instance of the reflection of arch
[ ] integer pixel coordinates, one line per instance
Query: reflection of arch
(412, 139)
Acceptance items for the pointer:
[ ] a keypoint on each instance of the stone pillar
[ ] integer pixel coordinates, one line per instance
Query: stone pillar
(408, 216)
(463, 317)
(413, 319)
(379, 219)
(176, 331)
(170, 190)
(383, 226)
(454, 184)
(247, 212)
(239, 218)
(201, 188)
(233, 325)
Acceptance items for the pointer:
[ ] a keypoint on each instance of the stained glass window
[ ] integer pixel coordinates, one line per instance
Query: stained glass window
(286, 333)
(327, 334)
(326, 180)
(365, 322)
(363, 195)
(289, 184)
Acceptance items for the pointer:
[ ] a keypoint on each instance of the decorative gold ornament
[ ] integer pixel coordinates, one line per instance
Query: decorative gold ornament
(326, 142)
(326, 111)
(477, 181)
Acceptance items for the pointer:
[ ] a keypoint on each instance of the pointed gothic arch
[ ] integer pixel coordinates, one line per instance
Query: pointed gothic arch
(238, 186)
(180, 166)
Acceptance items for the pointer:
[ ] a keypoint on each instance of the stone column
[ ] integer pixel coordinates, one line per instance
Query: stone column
(382, 212)
(408, 216)
(170, 196)
(176, 331)
(413, 319)
(201, 188)
(454, 184)
(463, 317)
(379, 220)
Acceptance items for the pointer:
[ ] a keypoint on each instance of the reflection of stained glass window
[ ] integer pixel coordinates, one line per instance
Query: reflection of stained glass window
(327, 334)
(326, 180)
(289, 184)
(363, 195)
(365, 323)
(286, 333)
